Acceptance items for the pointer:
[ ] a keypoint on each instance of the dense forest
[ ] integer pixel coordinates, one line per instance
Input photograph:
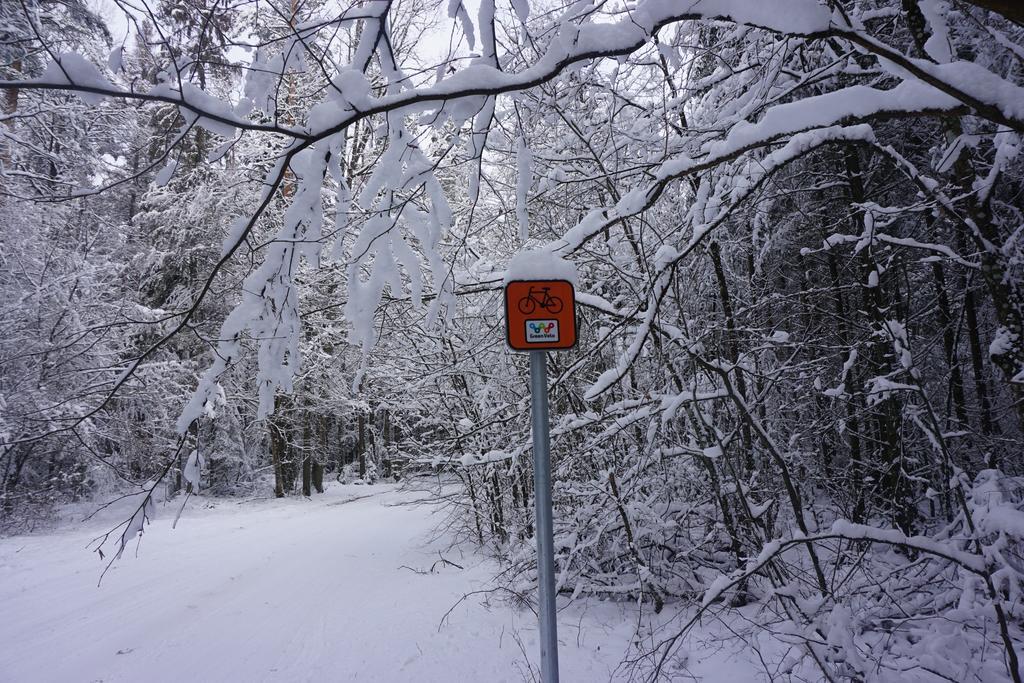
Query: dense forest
(248, 247)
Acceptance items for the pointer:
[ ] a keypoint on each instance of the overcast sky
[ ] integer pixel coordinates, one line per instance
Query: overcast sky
(432, 47)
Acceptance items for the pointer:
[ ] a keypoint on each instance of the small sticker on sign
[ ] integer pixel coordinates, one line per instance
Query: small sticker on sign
(540, 331)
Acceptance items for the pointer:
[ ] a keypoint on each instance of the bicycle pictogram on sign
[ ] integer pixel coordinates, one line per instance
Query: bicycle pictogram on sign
(540, 296)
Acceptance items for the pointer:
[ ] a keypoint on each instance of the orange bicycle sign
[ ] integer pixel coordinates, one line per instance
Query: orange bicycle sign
(540, 314)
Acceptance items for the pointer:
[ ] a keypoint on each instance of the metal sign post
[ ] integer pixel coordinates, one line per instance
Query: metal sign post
(540, 315)
(542, 505)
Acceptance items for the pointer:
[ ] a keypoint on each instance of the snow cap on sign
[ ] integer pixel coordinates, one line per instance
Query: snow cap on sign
(538, 264)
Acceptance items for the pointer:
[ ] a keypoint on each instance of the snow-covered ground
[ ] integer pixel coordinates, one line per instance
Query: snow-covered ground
(292, 590)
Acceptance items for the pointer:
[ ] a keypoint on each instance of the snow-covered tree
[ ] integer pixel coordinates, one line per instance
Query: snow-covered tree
(797, 229)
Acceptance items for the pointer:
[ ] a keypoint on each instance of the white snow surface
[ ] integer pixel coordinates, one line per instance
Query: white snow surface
(71, 68)
(296, 590)
(539, 264)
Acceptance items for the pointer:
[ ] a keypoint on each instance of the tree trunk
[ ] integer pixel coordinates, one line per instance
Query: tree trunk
(318, 477)
(277, 448)
(852, 431)
(895, 490)
(956, 383)
(361, 445)
(10, 107)
(307, 461)
(732, 350)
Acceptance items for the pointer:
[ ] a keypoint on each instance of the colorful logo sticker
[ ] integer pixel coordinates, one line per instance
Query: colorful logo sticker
(539, 331)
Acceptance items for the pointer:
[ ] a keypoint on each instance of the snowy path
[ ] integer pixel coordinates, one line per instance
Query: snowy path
(277, 591)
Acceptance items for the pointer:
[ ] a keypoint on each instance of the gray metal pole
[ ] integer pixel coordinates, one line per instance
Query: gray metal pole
(542, 503)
